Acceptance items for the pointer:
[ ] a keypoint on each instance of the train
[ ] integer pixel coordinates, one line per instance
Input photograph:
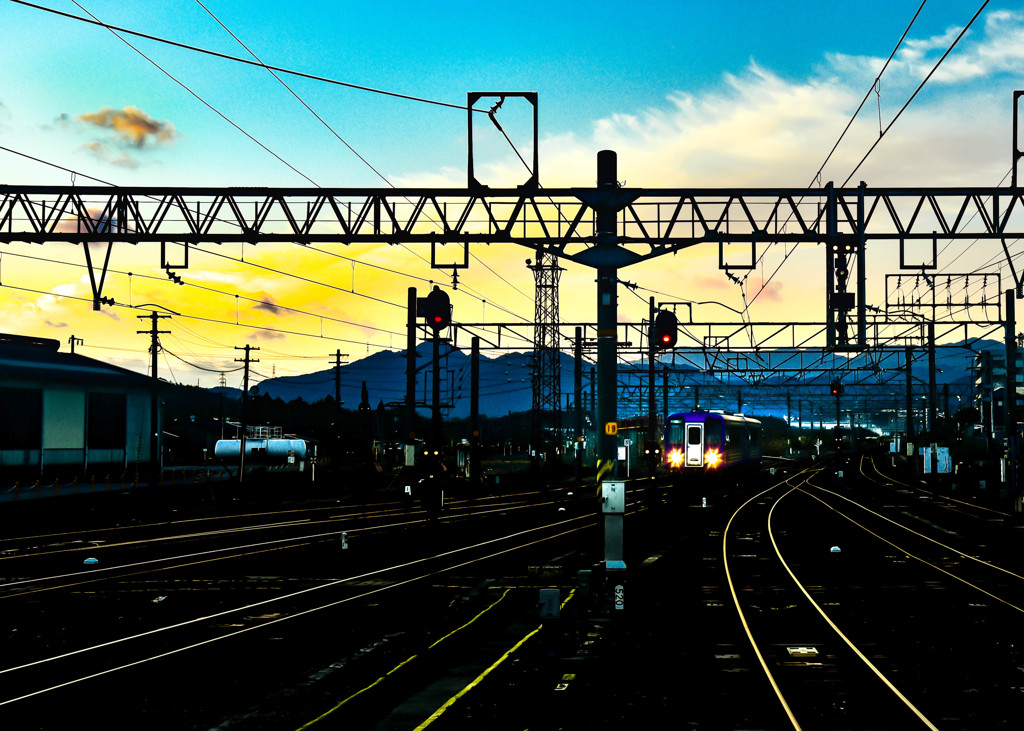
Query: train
(712, 441)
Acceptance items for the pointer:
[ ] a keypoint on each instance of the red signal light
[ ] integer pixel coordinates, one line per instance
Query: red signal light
(664, 329)
(438, 309)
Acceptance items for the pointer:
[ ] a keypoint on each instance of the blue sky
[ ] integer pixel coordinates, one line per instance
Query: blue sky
(689, 94)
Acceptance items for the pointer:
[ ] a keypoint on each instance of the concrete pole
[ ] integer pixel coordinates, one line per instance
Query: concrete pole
(410, 369)
(607, 338)
(1010, 401)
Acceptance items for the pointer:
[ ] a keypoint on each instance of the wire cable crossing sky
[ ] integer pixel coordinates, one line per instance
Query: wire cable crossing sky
(689, 96)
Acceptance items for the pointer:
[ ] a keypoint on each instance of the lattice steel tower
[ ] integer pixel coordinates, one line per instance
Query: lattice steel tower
(547, 372)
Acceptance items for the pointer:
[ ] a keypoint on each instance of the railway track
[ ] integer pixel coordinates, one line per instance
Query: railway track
(227, 642)
(857, 612)
(740, 614)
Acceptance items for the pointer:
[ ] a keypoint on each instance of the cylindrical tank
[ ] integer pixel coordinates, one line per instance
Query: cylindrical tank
(269, 449)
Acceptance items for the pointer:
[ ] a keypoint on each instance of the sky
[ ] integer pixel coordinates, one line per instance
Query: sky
(729, 94)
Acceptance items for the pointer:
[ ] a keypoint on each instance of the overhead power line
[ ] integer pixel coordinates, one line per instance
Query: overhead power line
(364, 160)
(916, 91)
(205, 103)
(882, 132)
(235, 295)
(227, 57)
(200, 318)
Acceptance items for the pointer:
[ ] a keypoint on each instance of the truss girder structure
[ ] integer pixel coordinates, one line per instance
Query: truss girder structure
(546, 354)
(882, 402)
(756, 341)
(651, 222)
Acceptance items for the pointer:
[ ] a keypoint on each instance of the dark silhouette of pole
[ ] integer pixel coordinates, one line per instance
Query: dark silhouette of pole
(1010, 400)
(154, 399)
(607, 316)
(664, 398)
(789, 422)
(474, 413)
(909, 396)
(435, 392)
(245, 406)
(577, 419)
(652, 415)
(410, 368)
(932, 387)
(338, 355)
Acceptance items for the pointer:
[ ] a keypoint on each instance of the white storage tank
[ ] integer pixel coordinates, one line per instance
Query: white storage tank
(273, 450)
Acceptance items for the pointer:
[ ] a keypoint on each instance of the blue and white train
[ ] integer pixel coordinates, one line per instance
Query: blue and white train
(711, 441)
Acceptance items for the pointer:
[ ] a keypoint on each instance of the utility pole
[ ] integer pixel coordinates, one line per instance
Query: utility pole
(932, 387)
(410, 368)
(664, 399)
(338, 355)
(909, 398)
(154, 400)
(335, 446)
(577, 417)
(1010, 401)
(607, 246)
(474, 414)
(789, 423)
(72, 340)
(435, 392)
(245, 405)
(652, 420)
(839, 439)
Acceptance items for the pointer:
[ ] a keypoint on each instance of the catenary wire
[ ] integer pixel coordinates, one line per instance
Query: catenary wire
(201, 100)
(278, 69)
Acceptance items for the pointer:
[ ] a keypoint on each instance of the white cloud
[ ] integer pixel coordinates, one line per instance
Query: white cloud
(759, 129)
(994, 47)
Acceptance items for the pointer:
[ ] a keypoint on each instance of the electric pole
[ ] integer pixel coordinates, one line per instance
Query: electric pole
(474, 415)
(245, 404)
(338, 355)
(72, 340)
(154, 400)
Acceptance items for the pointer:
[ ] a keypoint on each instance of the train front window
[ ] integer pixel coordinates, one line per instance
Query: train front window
(675, 431)
(693, 434)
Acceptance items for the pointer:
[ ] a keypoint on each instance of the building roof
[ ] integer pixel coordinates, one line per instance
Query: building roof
(40, 360)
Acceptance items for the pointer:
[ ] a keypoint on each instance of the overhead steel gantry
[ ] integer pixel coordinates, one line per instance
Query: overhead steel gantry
(607, 228)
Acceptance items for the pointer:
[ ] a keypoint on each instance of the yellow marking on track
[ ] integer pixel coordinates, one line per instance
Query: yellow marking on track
(482, 613)
(437, 714)
(403, 663)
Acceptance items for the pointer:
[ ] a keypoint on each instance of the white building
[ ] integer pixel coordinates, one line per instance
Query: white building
(68, 414)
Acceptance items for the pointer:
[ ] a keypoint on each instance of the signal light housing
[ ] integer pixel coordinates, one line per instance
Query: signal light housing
(437, 310)
(664, 331)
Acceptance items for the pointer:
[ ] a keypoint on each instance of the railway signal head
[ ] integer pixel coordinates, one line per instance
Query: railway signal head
(438, 310)
(665, 330)
(836, 388)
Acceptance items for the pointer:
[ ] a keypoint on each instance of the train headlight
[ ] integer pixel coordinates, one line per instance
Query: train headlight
(712, 458)
(675, 458)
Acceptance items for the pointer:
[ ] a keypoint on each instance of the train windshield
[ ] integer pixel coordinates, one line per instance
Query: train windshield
(693, 434)
(675, 431)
